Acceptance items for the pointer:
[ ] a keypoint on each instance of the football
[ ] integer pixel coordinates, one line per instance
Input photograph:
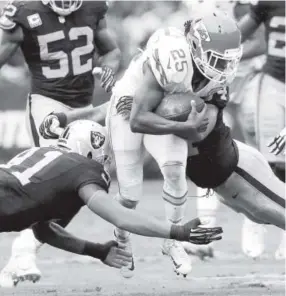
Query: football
(178, 106)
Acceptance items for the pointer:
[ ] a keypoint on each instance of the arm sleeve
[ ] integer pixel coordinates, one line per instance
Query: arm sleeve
(258, 11)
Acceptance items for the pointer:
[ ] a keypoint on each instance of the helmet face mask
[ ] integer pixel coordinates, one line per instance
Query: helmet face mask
(63, 7)
(88, 139)
(215, 46)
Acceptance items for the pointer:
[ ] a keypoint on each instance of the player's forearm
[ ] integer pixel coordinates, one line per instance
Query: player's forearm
(110, 59)
(253, 49)
(247, 26)
(96, 114)
(56, 236)
(150, 123)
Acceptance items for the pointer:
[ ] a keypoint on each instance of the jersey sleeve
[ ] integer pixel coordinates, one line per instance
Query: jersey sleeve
(258, 11)
(11, 15)
(169, 59)
(91, 172)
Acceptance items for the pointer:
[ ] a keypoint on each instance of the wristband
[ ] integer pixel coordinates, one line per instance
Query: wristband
(178, 233)
(62, 119)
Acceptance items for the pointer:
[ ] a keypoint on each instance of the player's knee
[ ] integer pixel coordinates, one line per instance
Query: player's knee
(174, 174)
(125, 202)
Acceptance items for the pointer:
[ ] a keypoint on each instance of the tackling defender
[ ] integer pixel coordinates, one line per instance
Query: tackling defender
(265, 104)
(70, 175)
(59, 41)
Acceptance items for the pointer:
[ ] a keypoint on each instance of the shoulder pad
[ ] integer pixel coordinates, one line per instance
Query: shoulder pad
(170, 59)
(9, 17)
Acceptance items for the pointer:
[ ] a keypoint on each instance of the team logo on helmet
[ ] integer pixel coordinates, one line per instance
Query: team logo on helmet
(203, 31)
(97, 139)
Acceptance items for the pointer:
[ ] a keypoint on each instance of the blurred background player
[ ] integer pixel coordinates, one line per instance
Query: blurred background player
(61, 41)
(264, 104)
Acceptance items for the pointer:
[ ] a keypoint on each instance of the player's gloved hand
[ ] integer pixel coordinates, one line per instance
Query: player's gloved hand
(116, 256)
(278, 143)
(194, 232)
(107, 78)
(50, 128)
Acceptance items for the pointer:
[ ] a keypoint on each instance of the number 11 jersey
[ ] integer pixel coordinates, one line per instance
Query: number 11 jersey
(59, 50)
(42, 184)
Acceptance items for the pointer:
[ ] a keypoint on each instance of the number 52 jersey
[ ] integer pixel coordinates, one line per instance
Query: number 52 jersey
(59, 50)
(42, 184)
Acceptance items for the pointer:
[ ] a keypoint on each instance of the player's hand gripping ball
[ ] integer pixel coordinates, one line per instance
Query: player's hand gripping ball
(178, 106)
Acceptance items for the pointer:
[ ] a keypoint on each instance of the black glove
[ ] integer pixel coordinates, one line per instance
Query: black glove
(107, 78)
(193, 233)
(50, 123)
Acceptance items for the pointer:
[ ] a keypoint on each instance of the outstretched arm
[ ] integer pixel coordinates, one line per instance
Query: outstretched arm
(109, 253)
(101, 204)
(52, 125)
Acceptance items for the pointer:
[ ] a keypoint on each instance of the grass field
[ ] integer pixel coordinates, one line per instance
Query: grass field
(230, 273)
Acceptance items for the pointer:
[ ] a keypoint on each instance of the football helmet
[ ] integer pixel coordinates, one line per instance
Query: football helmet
(215, 45)
(88, 139)
(63, 7)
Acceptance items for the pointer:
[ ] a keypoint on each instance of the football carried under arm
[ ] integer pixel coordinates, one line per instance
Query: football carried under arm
(101, 204)
(52, 125)
(143, 119)
(109, 253)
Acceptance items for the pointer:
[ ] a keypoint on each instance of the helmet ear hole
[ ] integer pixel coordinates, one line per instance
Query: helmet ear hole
(194, 45)
(89, 155)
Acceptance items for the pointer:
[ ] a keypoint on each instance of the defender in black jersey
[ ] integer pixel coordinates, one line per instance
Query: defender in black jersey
(45, 187)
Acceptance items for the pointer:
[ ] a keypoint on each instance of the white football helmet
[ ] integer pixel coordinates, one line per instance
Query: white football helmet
(63, 7)
(88, 139)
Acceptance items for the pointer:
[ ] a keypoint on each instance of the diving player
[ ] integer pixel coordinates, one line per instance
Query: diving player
(70, 175)
(59, 41)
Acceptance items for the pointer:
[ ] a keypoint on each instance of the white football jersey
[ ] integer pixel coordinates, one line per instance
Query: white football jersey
(170, 59)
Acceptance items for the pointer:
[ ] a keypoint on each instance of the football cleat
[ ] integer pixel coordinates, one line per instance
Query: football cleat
(19, 269)
(181, 260)
(252, 238)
